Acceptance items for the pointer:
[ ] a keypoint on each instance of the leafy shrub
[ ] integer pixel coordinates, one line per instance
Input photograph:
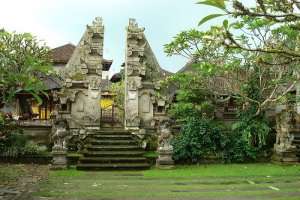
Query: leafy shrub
(151, 142)
(200, 137)
(13, 145)
(237, 149)
(31, 149)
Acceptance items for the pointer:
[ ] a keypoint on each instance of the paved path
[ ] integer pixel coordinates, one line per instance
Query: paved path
(17, 182)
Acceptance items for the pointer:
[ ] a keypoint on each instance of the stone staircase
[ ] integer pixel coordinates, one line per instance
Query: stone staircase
(296, 142)
(112, 149)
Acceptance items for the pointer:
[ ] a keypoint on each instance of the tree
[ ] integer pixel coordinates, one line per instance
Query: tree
(22, 59)
(278, 20)
(252, 56)
(255, 51)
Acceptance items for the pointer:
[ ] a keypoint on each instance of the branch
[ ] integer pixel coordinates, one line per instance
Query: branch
(273, 51)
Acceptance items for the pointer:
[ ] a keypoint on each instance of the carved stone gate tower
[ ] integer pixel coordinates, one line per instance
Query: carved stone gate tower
(80, 96)
(142, 75)
(79, 99)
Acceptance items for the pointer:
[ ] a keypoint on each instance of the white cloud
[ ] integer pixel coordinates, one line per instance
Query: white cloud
(24, 16)
(61, 21)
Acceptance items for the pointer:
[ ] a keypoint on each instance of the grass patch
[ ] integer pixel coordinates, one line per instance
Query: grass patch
(74, 154)
(66, 173)
(235, 181)
(151, 154)
(230, 170)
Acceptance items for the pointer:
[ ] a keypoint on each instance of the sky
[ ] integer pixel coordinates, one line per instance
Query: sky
(58, 22)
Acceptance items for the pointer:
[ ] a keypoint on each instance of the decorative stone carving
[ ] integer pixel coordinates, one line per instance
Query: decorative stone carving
(59, 136)
(83, 75)
(95, 83)
(165, 149)
(288, 135)
(133, 70)
(142, 74)
(59, 150)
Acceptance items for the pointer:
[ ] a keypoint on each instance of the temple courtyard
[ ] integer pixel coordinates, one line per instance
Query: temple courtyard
(207, 182)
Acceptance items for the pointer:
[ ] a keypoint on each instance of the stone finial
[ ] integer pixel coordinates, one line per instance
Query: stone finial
(133, 26)
(132, 22)
(98, 21)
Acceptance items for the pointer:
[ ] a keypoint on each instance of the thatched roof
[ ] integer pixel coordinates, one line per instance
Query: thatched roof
(62, 55)
(52, 82)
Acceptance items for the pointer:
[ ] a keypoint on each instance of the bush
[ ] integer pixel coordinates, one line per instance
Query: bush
(13, 145)
(199, 138)
(237, 149)
(31, 149)
(248, 137)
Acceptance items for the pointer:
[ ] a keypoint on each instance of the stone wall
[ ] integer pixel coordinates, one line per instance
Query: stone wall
(37, 131)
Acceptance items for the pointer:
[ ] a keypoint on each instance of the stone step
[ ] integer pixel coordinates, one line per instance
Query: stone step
(112, 166)
(112, 132)
(111, 137)
(113, 153)
(297, 137)
(113, 160)
(112, 142)
(112, 147)
(296, 141)
(229, 115)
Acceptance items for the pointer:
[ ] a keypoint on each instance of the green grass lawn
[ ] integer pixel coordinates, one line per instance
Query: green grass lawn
(236, 181)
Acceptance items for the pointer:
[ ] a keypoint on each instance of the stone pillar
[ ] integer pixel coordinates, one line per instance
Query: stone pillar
(134, 69)
(165, 149)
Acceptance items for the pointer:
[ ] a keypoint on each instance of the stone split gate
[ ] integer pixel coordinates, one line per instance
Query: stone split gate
(78, 101)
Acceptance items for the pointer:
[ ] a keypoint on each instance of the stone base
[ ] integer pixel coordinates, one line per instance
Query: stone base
(164, 160)
(285, 156)
(59, 160)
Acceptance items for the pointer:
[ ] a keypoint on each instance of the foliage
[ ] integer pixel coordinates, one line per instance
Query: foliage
(259, 42)
(13, 143)
(265, 23)
(22, 60)
(192, 99)
(253, 56)
(119, 90)
(7, 126)
(151, 142)
(237, 149)
(199, 138)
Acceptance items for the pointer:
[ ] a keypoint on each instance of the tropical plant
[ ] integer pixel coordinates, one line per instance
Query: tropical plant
(22, 60)
(252, 56)
(199, 139)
